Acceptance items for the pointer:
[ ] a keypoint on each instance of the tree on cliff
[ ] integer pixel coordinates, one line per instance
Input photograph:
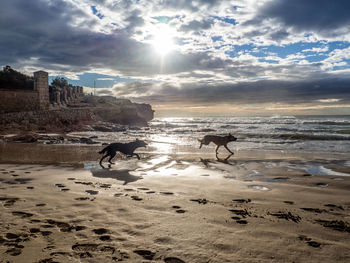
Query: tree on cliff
(12, 79)
(59, 83)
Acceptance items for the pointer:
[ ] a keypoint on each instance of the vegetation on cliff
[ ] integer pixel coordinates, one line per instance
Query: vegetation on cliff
(12, 79)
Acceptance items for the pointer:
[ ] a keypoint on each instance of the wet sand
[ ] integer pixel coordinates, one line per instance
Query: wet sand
(174, 208)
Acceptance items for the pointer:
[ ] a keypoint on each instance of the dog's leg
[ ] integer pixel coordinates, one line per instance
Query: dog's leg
(138, 156)
(217, 148)
(228, 149)
(111, 157)
(200, 146)
(103, 158)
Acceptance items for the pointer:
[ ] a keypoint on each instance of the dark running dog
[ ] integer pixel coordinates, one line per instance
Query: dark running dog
(126, 148)
(218, 140)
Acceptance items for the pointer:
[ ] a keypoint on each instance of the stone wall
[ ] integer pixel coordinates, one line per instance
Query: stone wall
(41, 84)
(66, 95)
(18, 100)
(39, 98)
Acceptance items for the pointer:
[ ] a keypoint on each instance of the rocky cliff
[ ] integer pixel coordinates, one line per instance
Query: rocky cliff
(121, 111)
(90, 112)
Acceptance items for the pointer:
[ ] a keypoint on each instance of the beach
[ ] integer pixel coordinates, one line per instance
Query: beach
(59, 205)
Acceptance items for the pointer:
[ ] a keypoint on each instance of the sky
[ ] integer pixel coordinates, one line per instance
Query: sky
(190, 58)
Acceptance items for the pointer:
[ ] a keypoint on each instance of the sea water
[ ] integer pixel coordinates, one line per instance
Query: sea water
(314, 134)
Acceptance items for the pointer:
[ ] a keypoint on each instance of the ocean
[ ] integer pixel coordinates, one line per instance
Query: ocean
(302, 134)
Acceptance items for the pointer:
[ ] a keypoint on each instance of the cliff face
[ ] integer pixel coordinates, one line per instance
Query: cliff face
(119, 111)
(81, 115)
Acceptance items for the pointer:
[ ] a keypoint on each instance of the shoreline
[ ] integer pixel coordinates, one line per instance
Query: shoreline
(39, 153)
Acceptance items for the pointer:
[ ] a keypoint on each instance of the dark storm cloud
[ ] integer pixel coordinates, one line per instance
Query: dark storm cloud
(308, 15)
(44, 30)
(27, 25)
(264, 91)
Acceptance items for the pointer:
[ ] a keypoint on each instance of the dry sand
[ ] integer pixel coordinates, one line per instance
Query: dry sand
(175, 209)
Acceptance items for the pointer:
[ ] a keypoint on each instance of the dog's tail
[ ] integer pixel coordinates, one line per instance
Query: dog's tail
(104, 150)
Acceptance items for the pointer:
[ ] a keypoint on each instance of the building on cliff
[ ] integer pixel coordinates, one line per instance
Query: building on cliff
(40, 97)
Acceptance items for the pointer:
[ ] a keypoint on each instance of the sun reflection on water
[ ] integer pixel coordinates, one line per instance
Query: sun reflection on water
(164, 143)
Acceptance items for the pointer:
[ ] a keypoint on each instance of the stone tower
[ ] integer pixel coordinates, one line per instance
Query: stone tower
(41, 84)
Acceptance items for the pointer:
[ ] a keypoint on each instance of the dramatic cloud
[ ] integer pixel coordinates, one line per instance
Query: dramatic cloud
(201, 52)
(323, 16)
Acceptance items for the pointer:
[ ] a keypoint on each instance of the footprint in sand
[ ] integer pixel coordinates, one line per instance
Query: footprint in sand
(200, 201)
(22, 214)
(309, 241)
(240, 212)
(23, 180)
(105, 238)
(143, 188)
(180, 211)
(166, 193)
(242, 222)
(100, 231)
(136, 198)
(242, 200)
(323, 185)
(173, 260)
(41, 204)
(82, 198)
(313, 244)
(289, 202)
(45, 233)
(63, 226)
(60, 185)
(307, 175)
(105, 186)
(34, 230)
(85, 247)
(80, 228)
(146, 254)
(12, 236)
(91, 192)
(150, 192)
(9, 201)
(30, 187)
(14, 251)
(334, 206)
(65, 189)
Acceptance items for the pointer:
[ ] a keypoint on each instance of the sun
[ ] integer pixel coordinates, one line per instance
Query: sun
(162, 39)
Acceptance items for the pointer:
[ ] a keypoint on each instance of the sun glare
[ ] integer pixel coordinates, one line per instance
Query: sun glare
(162, 40)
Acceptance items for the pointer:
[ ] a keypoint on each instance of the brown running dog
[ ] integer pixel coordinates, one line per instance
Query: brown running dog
(218, 140)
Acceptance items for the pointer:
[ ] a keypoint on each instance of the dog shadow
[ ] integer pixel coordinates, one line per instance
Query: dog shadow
(120, 175)
(221, 160)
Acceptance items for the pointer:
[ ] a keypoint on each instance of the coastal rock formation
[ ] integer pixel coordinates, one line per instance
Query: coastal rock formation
(91, 113)
(121, 111)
